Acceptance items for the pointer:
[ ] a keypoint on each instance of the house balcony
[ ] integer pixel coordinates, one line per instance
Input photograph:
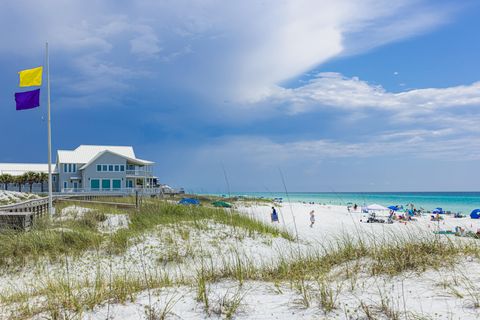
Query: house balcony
(139, 173)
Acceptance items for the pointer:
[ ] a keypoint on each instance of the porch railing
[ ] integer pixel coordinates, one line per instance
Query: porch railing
(112, 191)
(139, 173)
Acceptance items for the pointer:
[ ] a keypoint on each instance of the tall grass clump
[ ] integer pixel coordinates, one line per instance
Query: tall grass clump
(158, 212)
(46, 239)
(389, 257)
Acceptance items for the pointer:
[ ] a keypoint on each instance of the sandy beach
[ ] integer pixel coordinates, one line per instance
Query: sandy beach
(333, 221)
(434, 293)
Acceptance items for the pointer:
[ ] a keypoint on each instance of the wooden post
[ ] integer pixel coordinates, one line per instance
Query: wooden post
(136, 199)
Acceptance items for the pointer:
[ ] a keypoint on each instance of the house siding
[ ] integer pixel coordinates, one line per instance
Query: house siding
(90, 172)
(66, 176)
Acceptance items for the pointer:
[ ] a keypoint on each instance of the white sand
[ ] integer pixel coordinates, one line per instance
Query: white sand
(9, 197)
(434, 294)
(113, 223)
(72, 212)
(333, 221)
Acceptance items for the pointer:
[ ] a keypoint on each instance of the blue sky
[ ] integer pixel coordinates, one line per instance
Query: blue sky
(339, 96)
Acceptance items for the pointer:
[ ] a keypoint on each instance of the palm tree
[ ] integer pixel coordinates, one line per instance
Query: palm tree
(30, 177)
(6, 179)
(42, 177)
(20, 180)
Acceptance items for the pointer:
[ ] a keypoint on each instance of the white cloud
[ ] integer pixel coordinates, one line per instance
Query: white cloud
(224, 50)
(333, 90)
(264, 152)
(145, 45)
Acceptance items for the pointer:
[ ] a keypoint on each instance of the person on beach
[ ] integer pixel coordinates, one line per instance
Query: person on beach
(312, 218)
(274, 215)
(355, 207)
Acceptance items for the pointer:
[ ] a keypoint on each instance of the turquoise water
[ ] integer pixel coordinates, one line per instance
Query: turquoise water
(450, 201)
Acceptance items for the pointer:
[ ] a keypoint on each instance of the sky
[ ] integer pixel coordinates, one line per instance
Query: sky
(227, 96)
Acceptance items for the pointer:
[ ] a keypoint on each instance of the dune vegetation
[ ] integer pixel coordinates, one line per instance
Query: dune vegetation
(68, 266)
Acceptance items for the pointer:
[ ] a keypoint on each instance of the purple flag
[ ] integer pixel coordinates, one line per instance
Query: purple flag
(28, 99)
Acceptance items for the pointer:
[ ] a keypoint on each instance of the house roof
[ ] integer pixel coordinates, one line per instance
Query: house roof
(17, 169)
(131, 160)
(85, 153)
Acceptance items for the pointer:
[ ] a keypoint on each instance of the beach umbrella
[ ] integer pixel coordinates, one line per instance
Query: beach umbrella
(475, 214)
(394, 208)
(221, 204)
(189, 201)
(438, 210)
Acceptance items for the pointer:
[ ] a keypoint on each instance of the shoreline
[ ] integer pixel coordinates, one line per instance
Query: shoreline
(463, 202)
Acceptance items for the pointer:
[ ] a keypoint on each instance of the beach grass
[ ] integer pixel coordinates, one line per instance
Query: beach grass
(164, 213)
(309, 272)
(319, 273)
(53, 238)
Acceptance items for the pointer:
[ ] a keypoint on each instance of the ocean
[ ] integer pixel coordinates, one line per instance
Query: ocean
(463, 202)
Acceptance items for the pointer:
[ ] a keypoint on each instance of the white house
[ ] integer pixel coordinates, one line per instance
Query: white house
(93, 168)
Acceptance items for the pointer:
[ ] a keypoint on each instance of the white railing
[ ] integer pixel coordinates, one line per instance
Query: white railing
(139, 173)
(111, 191)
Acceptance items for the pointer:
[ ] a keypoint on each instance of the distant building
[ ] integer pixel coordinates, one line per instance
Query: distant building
(93, 168)
(17, 169)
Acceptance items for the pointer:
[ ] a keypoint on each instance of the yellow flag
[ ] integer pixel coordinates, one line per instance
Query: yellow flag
(31, 77)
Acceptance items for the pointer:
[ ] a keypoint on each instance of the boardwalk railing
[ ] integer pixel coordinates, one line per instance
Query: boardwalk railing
(37, 206)
(21, 215)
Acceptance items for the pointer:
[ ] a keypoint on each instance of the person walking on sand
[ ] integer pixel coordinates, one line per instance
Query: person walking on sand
(274, 215)
(312, 218)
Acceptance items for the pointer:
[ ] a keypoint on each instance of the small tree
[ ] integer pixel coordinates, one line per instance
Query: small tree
(42, 177)
(30, 177)
(6, 179)
(20, 180)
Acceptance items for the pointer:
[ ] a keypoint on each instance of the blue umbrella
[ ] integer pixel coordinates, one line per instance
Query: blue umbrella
(475, 214)
(438, 210)
(189, 201)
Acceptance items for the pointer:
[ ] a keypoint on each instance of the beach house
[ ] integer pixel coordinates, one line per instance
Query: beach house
(93, 168)
(102, 168)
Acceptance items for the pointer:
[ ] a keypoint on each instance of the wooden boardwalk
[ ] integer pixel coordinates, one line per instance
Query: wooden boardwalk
(23, 214)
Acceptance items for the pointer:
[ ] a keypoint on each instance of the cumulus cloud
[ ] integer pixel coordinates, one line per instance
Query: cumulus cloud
(261, 152)
(222, 50)
(335, 90)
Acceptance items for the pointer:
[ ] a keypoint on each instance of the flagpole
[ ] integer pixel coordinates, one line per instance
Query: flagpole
(50, 187)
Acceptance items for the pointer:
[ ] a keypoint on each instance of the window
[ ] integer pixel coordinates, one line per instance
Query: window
(117, 168)
(95, 184)
(99, 167)
(74, 167)
(116, 184)
(122, 168)
(104, 167)
(110, 167)
(106, 184)
(65, 185)
(69, 167)
(65, 167)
